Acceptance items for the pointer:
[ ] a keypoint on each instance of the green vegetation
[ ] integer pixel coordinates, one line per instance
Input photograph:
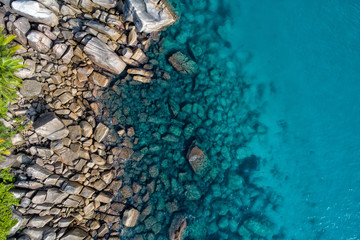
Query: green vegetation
(8, 85)
(6, 201)
(8, 66)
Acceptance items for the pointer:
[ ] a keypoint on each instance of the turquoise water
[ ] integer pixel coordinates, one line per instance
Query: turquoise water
(309, 53)
(274, 106)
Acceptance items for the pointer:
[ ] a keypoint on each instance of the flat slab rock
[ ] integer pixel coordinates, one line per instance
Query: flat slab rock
(103, 56)
(148, 15)
(50, 126)
(35, 12)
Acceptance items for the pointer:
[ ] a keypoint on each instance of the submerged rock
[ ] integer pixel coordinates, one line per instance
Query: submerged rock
(198, 160)
(130, 217)
(177, 228)
(183, 63)
(258, 226)
(149, 16)
(193, 193)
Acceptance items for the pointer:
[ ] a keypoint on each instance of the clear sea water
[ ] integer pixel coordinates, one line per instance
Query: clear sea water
(275, 107)
(309, 53)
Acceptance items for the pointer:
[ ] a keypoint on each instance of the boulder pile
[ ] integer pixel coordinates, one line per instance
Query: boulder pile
(68, 161)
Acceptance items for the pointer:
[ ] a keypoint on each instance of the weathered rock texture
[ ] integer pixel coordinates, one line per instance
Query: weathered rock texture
(149, 16)
(102, 56)
(35, 12)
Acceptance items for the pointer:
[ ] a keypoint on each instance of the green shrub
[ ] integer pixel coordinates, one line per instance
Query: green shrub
(6, 201)
(8, 85)
(8, 66)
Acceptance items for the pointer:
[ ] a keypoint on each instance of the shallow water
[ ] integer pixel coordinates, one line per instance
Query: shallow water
(274, 107)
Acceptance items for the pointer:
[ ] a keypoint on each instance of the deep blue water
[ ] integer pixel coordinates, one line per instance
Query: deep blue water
(309, 53)
(274, 105)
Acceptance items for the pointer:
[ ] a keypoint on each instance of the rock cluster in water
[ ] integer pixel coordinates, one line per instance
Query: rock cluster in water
(67, 163)
(193, 122)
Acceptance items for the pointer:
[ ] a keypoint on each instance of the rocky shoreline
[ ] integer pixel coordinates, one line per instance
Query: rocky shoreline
(68, 163)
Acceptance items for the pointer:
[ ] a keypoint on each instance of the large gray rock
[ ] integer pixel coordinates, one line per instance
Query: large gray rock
(35, 12)
(39, 41)
(30, 88)
(102, 56)
(50, 126)
(38, 172)
(130, 217)
(148, 15)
